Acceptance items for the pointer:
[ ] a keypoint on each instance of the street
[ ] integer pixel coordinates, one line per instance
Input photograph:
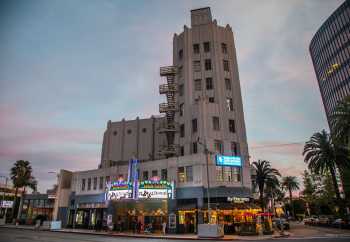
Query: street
(300, 233)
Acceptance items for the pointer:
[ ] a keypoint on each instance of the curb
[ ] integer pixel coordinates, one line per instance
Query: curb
(144, 236)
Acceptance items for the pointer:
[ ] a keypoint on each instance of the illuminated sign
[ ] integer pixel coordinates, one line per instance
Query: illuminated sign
(119, 190)
(224, 160)
(238, 199)
(155, 190)
(6, 204)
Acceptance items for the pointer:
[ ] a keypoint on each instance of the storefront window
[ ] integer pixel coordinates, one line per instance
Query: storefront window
(79, 217)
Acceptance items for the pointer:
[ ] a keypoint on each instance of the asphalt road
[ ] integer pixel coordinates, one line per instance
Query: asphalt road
(18, 235)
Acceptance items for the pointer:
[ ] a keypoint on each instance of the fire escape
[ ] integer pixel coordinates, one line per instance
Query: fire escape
(169, 108)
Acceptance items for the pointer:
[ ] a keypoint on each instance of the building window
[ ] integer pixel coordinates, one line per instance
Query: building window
(180, 71)
(234, 148)
(224, 48)
(181, 54)
(231, 125)
(129, 131)
(89, 184)
(196, 48)
(83, 185)
(154, 173)
(182, 151)
(216, 123)
(181, 174)
(181, 90)
(219, 175)
(227, 173)
(101, 182)
(144, 130)
(145, 175)
(164, 174)
(185, 174)
(206, 46)
(198, 85)
(182, 130)
(208, 64)
(196, 66)
(228, 84)
(194, 148)
(189, 174)
(95, 183)
(236, 174)
(115, 133)
(229, 103)
(182, 109)
(211, 99)
(226, 65)
(194, 125)
(209, 83)
(108, 179)
(218, 146)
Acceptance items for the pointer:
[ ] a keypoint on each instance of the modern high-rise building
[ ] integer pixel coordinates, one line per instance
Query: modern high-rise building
(156, 168)
(330, 53)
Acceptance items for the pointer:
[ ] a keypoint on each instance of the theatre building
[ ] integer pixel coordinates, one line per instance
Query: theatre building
(159, 168)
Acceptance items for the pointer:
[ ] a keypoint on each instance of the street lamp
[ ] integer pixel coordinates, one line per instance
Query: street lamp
(207, 152)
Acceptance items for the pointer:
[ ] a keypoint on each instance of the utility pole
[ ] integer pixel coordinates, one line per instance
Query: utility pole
(207, 152)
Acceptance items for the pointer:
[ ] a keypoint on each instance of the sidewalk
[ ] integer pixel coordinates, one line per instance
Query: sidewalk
(150, 236)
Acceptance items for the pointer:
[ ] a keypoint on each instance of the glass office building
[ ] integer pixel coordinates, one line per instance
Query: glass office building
(330, 53)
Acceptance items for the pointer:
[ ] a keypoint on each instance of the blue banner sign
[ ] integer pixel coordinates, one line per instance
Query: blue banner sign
(225, 160)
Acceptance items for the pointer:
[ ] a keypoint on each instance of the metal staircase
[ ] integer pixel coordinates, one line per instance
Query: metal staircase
(169, 108)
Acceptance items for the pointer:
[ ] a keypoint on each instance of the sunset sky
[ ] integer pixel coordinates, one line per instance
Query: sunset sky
(67, 67)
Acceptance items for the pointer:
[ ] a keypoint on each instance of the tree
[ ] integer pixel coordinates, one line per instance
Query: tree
(21, 176)
(340, 120)
(291, 184)
(323, 155)
(309, 192)
(264, 174)
(340, 125)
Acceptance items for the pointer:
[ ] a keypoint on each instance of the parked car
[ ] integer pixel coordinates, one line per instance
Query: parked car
(311, 220)
(323, 220)
(339, 223)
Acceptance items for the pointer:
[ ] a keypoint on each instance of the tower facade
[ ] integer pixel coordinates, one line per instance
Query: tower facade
(209, 93)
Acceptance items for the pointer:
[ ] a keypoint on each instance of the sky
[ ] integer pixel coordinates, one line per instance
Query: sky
(67, 67)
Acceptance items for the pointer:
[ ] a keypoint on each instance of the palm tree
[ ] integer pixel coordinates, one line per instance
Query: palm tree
(21, 176)
(264, 174)
(323, 155)
(273, 191)
(291, 184)
(340, 120)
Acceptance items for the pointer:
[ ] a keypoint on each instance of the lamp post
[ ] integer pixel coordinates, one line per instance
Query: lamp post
(207, 152)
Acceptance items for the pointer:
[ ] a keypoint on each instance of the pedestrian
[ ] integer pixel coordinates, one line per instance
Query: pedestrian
(164, 227)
